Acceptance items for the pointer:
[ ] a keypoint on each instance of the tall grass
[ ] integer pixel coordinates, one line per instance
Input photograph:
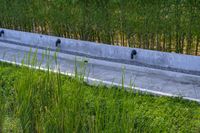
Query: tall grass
(171, 25)
(44, 101)
(1, 111)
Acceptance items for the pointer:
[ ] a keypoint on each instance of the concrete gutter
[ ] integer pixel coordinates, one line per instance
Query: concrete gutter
(156, 58)
(105, 63)
(151, 80)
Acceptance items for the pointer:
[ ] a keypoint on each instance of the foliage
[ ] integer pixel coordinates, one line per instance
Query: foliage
(165, 25)
(51, 102)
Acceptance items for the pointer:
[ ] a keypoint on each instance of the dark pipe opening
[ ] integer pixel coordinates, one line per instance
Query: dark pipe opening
(85, 61)
(133, 54)
(1, 33)
(58, 42)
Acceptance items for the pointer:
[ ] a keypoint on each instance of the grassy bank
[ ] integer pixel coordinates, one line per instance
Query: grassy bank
(37, 101)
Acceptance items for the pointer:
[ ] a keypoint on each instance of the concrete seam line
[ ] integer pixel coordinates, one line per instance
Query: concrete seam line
(86, 79)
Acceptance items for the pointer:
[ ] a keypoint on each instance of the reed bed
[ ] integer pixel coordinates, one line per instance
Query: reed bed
(38, 101)
(164, 25)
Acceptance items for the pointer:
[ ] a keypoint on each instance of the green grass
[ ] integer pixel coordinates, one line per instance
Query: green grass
(37, 101)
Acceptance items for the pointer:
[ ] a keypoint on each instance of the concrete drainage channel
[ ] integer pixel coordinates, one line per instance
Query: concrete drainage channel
(159, 73)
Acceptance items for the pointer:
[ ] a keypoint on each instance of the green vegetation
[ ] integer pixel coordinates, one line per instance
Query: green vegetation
(165, 25)
(38, 101)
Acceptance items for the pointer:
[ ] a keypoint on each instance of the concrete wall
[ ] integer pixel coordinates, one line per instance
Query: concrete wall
(186, 62)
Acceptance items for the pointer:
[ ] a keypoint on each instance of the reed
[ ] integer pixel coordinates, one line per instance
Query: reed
(171, 25)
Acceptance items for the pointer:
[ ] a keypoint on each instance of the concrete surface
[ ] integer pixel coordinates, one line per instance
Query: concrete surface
(160, 59)
(145, 79)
